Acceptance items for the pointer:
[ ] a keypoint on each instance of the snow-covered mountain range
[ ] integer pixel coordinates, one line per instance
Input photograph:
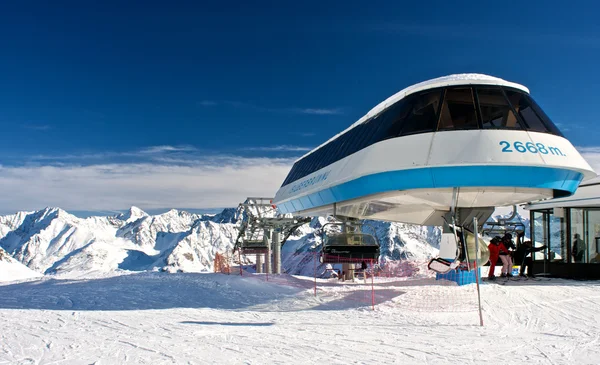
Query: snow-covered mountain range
(11, 269)
(52, 241)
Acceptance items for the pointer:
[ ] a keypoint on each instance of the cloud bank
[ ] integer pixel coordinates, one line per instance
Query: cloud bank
(221, 182)
(167, 176)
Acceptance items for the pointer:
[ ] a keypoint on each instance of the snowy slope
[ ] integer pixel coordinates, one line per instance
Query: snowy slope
(158, 318)
(12, 270)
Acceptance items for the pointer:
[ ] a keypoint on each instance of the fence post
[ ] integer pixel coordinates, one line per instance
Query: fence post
(476, 234)
(240, 260)
(315, 271)
(372, 286)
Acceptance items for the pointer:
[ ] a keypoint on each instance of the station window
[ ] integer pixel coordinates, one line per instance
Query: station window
(422, 117)
(547, 121)
(387, 121)
(531, 113)
(499, 108)
(458, 110)
(495, 110)
(365, 130)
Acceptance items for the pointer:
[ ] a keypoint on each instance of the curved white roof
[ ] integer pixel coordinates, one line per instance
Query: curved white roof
(450, 80)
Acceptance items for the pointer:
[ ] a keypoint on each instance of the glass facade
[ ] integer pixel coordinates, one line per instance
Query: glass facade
(557, 249)
(440, 109)
(585, 243)
(573, 238)
(592, 236)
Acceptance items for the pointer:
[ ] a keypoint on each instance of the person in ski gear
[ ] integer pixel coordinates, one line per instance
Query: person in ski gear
(523, 255)
(505, 257)
(363, 266)
(578, 248)
(495, 247)
(508, 241)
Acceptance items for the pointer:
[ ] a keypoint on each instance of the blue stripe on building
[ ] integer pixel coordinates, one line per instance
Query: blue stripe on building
(563, 182)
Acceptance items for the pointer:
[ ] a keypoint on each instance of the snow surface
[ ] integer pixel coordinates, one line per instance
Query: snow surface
(125, 289)
(163, 318)
(12, 270)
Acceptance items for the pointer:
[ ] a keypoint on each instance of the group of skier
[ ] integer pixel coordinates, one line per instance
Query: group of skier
(504, 249)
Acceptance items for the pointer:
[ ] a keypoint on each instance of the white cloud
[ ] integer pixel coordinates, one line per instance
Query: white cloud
(280, 148)
(163, 149)
(220, 182)
(592, 156)
(146, 152)
(320, 111)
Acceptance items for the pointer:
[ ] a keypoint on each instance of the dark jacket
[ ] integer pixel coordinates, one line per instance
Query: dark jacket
(508, 243)
(525, 250)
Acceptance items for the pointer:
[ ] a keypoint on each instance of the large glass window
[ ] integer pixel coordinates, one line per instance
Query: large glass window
(463, 107)
(495, 110)
(530, 113)
(558, 239)
(458, 110)
(389, 120)
(540, 232)
(551, 231)
(551, 127)
(577, 235)
(423, 110)
(592, 236)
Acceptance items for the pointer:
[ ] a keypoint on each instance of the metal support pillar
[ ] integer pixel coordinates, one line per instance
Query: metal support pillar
(476, 264)
(276, 253)
(259, 263)
(267, 240)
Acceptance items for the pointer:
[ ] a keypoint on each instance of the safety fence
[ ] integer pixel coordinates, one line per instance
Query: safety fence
(407, 284)
(222, 263)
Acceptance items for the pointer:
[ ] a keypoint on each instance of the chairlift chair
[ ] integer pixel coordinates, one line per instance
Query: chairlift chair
(341, 247)
(492, 229)
(465, 253)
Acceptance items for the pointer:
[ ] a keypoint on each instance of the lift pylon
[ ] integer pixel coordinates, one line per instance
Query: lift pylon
(260, 231)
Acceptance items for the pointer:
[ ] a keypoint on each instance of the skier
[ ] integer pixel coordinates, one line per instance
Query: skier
(495, 247)
(522, 255)
(505, 255)
(508, 242)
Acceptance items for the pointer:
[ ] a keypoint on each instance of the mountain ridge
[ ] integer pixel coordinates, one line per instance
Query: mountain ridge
(53, 241)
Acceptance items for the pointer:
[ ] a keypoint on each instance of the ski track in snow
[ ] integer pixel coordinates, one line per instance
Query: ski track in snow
(160, 318)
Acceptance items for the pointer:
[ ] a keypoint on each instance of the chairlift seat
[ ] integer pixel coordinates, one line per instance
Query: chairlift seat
(349, 247)
(253, 246)
(440, 266)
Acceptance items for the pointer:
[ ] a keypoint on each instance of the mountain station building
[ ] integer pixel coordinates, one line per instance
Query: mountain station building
(570, 227)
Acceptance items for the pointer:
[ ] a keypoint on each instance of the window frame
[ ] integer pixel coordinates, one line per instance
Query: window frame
(508, 103)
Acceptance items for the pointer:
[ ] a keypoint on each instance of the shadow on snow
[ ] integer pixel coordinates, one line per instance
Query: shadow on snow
(143, 291)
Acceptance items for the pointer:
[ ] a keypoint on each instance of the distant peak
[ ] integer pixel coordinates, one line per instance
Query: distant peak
(134, 213)
(54, 212)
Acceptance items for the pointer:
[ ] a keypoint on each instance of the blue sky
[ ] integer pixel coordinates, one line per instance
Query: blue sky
(178, 104)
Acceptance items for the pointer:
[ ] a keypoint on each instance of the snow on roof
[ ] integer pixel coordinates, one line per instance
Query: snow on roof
(450, 80)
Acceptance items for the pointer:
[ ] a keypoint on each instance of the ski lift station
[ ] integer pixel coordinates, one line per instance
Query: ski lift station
(570, 227)
(441, 152)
